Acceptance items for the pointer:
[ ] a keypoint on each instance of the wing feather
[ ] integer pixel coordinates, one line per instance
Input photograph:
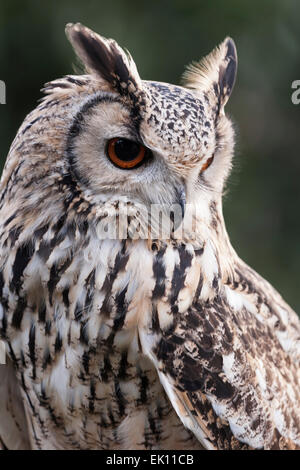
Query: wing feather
(228, 376)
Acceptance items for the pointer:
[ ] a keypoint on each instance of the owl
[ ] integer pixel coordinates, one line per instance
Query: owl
(128, 325)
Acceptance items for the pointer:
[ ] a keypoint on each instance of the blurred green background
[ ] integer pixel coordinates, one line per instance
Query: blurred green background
(261, 205)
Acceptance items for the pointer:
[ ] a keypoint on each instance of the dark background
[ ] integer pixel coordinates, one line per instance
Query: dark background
(261, 205)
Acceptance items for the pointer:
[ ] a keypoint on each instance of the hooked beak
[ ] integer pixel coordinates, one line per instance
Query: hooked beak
(181, 198)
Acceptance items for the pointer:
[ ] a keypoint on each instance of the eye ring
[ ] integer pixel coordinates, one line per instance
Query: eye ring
(126, 154)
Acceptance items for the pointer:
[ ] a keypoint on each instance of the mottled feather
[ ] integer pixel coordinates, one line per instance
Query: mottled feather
(124, 342)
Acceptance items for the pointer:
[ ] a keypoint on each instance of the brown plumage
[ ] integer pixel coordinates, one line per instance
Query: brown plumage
(138, 339)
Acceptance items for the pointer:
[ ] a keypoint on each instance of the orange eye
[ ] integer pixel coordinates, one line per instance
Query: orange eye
(125, 153)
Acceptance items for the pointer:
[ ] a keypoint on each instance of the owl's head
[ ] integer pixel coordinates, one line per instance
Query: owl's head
(113, 137)
(154, 142)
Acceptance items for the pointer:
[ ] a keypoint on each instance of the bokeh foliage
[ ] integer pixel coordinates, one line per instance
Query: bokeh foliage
(261, 206)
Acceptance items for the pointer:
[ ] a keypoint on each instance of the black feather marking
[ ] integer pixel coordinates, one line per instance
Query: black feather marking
(4, 303)
(44, 250)
(10, 219)
(3, 328)
(58, 342)
(14, 234)
(92, 397)
(199, 289)
(123, 366)
(66, 301)
(42, 313)
(159, 273)
(31, 124)
(18, 313)
(31, 345)
(1, 284)
(164, 348)
(144, 384)
(55, 275)
(119, 266)
(89, 284)
(121, 309)
(23, 256)
(106, 370)
(47, 359)
(179, 275)
(39, 233)
(84, 337)
(153, 427)
(76, 81)
(120, 398)
(53, 280)
(86, 361)
(12, 355)
(27, 394)
(155, 320)
(48, 328)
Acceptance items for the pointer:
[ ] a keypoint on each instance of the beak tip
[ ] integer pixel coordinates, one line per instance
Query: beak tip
(181, 199)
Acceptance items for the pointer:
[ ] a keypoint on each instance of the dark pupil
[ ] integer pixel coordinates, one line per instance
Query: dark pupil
(126, 150)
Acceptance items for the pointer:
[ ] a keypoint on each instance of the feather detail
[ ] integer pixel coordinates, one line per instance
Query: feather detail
(214, 74)
(14, 433)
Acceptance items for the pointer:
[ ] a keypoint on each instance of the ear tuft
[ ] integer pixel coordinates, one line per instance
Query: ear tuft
(228, 69)
(214, 74)
(104, 58)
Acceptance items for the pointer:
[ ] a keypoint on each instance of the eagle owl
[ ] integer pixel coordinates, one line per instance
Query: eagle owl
(125, 341)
